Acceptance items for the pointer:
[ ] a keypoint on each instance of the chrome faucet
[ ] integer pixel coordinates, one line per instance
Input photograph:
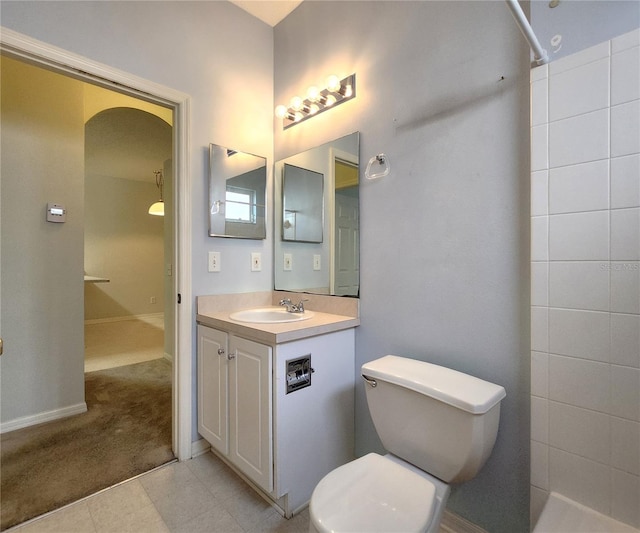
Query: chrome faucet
(294, 308)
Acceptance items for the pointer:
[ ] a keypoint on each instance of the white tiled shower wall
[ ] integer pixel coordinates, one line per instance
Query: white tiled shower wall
(585, 270)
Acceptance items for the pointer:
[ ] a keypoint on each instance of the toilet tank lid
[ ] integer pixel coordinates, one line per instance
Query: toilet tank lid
(455, 388)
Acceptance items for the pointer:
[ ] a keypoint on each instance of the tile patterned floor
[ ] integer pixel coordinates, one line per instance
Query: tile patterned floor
(196, 496)
(200, 495)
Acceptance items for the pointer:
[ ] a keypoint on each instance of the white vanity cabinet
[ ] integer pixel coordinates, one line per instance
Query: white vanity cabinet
(235, 402)
(284, 441)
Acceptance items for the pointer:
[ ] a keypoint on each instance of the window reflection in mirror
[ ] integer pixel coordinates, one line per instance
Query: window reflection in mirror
(237, 194)
(332, 264)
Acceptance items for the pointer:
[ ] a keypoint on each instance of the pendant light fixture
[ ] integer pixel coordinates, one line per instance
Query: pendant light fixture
(158, 207)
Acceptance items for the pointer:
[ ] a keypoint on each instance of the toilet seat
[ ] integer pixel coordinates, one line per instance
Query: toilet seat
(372, 494)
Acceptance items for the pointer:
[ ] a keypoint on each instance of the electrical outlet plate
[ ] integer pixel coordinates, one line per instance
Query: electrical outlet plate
(256, 261)
(287, 262)
(214, 261)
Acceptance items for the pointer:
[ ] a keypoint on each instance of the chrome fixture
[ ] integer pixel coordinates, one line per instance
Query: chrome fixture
(317, 101)
(382, 170)
(293, 308)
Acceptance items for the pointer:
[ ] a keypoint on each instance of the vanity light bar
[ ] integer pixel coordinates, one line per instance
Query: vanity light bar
(317, 101)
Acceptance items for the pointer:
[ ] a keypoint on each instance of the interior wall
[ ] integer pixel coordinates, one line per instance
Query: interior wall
(585, 189)
(124, 244)
(124, 146)
(570, 27)
(42, 287)
(213, 51)
(443, 91)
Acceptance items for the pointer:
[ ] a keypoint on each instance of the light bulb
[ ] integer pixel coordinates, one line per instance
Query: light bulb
(330, 100)
(281, 111)
(348, 91)
(313, 109)
(333, 84)
(313, 94)
(298, 116)
(296, 103)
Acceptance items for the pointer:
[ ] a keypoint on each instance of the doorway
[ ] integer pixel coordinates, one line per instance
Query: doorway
(128, 252)
(46, 111)
(50, 298)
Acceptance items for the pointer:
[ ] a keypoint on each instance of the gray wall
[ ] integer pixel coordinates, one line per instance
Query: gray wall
(443, 91)
(213, 51)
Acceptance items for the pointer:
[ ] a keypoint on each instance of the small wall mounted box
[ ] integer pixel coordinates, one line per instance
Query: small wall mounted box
(56, 213)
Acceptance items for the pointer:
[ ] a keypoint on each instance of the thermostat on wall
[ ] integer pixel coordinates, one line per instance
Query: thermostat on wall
(56, 213)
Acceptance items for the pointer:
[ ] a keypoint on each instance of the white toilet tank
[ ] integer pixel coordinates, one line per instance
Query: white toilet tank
(442, 421)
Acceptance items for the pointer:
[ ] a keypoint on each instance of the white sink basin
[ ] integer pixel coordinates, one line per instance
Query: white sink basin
(269, 315)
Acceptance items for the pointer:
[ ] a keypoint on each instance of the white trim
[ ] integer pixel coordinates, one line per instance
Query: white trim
(183, 349)
(452, 523)
(46, 416)
(150, 316)
(335, 154)
(199, 447)
(49, 56)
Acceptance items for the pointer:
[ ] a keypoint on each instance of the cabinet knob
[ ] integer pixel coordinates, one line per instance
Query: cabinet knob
(232, 355)
(220, 351)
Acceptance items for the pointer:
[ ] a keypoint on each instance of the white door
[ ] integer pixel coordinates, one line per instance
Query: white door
(347, 264)
(250, 410)
(213, 384)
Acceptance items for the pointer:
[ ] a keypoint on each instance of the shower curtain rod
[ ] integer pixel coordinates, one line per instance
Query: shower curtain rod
(539, 54)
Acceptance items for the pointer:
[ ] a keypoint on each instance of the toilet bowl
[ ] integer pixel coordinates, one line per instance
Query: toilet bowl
(439, 427)
(378, 494)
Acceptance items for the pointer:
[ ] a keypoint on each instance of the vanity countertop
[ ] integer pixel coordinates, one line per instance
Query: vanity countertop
(318, 324)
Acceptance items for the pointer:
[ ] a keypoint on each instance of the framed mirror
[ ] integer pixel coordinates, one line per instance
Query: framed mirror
(326, 261)
(237, 194)
(302, 204)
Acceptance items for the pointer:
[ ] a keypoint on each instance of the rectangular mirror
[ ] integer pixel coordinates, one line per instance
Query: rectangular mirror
(302, 204)
(237, 194)
(329, 262)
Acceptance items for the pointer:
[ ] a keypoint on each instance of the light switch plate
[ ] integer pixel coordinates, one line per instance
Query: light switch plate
(256, 261)
(214, 261)
(317, 264)
(287, 262)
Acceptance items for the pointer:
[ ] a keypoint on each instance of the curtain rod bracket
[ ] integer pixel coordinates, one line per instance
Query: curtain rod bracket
(539, 54)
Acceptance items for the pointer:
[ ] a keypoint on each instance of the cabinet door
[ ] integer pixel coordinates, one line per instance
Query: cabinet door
(250, 410)
(213, 385)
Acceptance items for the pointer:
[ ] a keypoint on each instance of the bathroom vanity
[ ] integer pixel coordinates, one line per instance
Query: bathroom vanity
(276, 400)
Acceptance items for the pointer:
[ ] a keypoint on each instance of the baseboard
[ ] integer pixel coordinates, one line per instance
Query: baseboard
(47, 416)
(123, 318)
(452, 523)
(199, 447)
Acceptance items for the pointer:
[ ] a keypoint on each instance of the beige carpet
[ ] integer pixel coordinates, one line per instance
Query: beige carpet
(123, 342)
(125, 432)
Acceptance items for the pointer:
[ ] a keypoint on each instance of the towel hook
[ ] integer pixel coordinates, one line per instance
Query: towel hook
(381, 160)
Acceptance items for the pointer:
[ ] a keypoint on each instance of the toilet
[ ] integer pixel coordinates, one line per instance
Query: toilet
(439, 427)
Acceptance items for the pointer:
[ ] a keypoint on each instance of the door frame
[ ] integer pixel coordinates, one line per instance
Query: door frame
(33, 51)
(335, 154)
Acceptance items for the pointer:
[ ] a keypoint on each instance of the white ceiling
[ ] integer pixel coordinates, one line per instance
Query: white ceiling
(269, 11)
